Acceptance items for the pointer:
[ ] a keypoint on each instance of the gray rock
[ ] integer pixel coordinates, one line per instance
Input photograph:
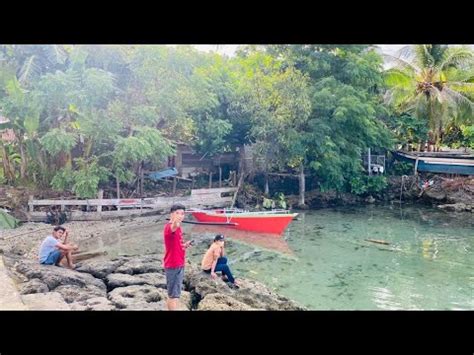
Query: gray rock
(145, 297)
(73, 293)
(141, 265)
(93, 304)
(252, 293)
(435, 195)
(100, 269)
(456, 207)
(220, 302)
(45, 301)
(54, 276)
(138, 298)
(33, 286)
(121, 280)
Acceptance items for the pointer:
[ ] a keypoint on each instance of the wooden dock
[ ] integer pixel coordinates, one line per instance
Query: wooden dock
(199, 198)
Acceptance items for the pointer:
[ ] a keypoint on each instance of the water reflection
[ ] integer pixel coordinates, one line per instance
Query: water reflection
(271, 242)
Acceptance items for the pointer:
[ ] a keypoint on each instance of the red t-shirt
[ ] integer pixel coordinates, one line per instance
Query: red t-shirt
(174, 251)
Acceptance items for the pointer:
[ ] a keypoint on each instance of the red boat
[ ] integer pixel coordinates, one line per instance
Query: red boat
(264, 222)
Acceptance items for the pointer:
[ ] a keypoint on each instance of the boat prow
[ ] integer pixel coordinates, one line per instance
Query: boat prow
(274, 222)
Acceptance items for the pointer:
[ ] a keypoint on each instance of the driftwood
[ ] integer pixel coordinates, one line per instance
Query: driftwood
(85, 256)
(377, 241)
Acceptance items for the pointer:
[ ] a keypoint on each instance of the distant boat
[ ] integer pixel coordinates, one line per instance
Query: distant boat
(274, 222)
(444, 163)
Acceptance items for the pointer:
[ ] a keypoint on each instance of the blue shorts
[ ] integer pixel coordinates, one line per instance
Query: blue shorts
(52, 258)
(174, 281)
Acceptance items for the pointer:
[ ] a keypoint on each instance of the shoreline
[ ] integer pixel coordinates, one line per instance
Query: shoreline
(89, 287)
(22, 244)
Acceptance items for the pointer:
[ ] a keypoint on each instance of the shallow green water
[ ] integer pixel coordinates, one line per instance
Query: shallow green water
(324, 262)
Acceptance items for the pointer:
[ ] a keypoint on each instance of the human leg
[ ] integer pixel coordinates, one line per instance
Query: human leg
(174, 281)
(224, 268)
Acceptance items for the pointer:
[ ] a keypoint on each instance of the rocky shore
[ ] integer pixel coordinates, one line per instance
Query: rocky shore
(120, 283)
(132, 283)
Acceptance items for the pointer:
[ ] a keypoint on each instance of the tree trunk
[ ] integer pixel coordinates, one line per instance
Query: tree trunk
(220, 176)
(241, 177)
(302, 186)
(138, 178)
(23, 162)
(267, 189)
(117, 182)
(241, 180)
(7, 168)
(141, 179)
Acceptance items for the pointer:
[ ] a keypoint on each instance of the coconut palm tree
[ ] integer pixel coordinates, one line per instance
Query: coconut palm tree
(435, 83)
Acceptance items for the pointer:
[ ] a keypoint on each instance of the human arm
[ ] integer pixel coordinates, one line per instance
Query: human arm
(213, 267)
(176, 220)
(66, 247)
(216, 254)
(66, 234)
(188, 244)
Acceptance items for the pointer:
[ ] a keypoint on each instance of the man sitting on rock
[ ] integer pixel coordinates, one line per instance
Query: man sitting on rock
(52, 250)
(215, 260)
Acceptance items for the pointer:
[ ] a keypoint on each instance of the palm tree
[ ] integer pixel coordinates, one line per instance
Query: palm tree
(434, 83)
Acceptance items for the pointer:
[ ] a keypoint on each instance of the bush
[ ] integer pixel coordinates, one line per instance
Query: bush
(367, 185)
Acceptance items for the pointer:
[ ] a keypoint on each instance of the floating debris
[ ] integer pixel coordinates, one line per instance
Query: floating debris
(377, 241)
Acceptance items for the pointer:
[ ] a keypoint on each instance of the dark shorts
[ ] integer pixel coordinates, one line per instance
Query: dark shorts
(174, 281)
(52, 258)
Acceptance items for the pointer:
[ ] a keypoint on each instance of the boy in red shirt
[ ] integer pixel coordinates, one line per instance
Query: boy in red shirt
(175, 255)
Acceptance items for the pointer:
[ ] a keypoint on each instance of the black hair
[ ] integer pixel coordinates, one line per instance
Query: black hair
(218, 237)
(59, 228)
(177, 206)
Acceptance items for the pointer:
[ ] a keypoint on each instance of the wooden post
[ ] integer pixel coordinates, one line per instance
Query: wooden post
(210, 179)
(174, 185)
(30, 203)
(220, 176)
(100, 197)
(302, 185)
(117, 181)
(234, 178)
(63, 206)
(141, 179)
(416, 167)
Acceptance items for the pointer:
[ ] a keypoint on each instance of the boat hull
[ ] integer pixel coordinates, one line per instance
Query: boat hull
(268, 223)
(462, 166)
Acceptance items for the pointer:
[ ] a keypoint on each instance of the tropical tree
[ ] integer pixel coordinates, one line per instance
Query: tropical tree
(347, 113)
(435, 83)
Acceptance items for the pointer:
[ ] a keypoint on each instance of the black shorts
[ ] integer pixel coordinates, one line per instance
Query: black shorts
(174, 281)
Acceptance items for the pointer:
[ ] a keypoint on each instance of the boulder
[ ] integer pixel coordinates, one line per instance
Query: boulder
(54, 276)
(93, 304)
(220, 302)
(252, 293)
(72, 293)
(456, 207)
(143, 297)
(435, 194)
(45, 301)
(33, 286)
(100, 269)
(121, 280)
(142, 265)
